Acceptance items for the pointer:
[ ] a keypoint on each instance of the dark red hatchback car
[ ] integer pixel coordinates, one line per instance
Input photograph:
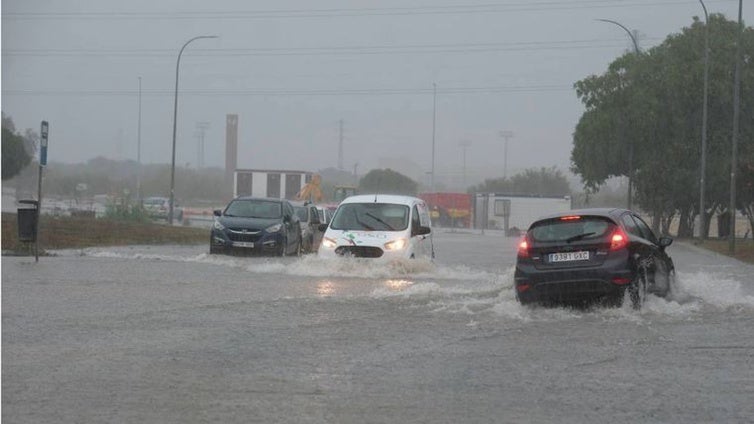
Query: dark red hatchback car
(592, 255)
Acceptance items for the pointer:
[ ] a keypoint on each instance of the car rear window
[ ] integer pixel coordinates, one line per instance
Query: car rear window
(568, 228)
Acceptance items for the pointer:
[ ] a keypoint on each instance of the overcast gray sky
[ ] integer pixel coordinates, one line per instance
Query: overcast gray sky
(292, 69)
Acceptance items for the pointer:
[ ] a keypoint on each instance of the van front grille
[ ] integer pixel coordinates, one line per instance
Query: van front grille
(359, 251)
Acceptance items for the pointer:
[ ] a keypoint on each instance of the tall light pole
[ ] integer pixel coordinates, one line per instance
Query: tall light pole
(703, 165)
(175, 125)
(434, 120)
(736, 118)
(138, 150)
(506, 135)
(630, 144)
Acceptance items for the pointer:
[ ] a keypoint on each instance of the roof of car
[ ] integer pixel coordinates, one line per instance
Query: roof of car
(382, 198)
(606, 212)
(268, 199)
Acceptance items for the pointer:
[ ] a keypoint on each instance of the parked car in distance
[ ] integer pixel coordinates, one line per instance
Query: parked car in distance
(159, 207)
(252, 225)
(308, 216)
(592, 254)
(379, 226)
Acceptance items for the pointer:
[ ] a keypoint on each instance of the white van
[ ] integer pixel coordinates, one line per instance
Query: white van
(379, 226)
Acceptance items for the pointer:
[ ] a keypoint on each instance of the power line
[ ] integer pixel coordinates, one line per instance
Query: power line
(289, 92)
(333, 50)
(347, 12)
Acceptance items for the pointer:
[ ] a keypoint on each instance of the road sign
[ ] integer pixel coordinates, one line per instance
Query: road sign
(43, 152)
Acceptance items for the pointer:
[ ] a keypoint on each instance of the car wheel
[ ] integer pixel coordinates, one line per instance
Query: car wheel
(637, 290)
(213, 250)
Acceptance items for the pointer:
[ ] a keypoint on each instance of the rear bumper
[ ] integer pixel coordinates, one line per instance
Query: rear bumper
(569, 285)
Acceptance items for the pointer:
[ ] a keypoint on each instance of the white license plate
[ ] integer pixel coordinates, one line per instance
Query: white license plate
(243, 244)
(569, 256)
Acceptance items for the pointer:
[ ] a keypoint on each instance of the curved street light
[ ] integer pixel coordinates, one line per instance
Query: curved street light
(703, 166)
(175, 124)
(631, 144)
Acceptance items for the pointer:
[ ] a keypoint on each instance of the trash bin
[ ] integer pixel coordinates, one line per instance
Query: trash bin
(27, 220)
(723, 225)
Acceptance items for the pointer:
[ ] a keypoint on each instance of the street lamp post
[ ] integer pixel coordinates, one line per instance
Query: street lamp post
(434, 121)
(175, 124)
(138, 151)
(736, 118)
(702, 170)
(630, 144)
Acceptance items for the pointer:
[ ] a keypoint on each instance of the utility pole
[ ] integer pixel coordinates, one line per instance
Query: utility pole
(506, 135)
(340, 145)
(464, 145)
(736, 118)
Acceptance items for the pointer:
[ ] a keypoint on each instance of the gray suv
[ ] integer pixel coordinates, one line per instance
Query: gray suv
(308, 215)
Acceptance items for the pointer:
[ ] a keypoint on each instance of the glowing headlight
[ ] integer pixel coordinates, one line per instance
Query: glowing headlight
(274, 228)
(396, 244)
(218, 225)
(328, 243)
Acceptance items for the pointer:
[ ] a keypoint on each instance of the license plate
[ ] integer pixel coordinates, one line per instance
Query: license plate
(569, 256)
(243, 244)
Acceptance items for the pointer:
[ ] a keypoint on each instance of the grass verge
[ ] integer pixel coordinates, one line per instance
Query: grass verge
(76, 233)
(744, 248)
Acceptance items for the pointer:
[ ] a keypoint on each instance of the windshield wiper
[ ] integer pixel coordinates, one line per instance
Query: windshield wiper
(366, 227)
(579, 236)
(380, 221)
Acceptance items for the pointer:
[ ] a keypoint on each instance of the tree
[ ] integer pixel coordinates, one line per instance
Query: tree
(653, 103)
(15, 156)
(387, 181)
(541, 182)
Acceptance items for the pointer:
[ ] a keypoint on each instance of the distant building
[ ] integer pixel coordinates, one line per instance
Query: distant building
(282, 184)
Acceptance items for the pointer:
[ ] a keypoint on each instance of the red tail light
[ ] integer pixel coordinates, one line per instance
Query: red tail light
(523, 248)
(619, 239)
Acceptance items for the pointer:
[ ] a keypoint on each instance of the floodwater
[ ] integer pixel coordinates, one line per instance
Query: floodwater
(172, 334)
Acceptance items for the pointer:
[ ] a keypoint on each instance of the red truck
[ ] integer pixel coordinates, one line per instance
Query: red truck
(449, 209)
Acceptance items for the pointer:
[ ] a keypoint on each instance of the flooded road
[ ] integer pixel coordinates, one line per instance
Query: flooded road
(172, 334)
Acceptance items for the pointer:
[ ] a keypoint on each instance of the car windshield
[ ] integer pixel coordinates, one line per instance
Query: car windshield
(251, 208)
(371, 217)
(569, 229)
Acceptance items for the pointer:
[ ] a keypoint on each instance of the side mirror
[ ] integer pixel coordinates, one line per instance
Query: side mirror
(322, 227)
(422, 230)
(217, 212)
(665, 241)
